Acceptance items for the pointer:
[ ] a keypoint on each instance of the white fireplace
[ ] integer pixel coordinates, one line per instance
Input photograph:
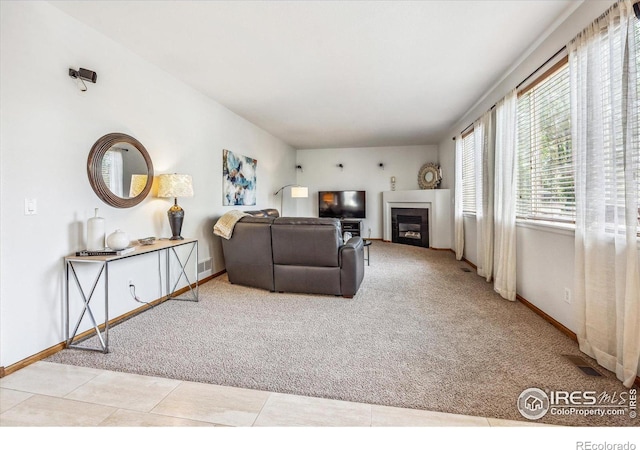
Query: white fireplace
(437, 201)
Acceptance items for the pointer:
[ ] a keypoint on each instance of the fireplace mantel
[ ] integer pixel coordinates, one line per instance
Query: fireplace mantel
(437, 200)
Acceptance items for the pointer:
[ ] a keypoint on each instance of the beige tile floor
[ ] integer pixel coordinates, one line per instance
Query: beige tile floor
(47, 394)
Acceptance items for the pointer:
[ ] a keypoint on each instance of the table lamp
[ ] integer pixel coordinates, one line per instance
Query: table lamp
(175, 185)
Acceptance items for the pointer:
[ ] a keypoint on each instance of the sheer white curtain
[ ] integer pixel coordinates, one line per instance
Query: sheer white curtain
(504, 264)
(604, 62)
(113, 171)
(483, 131)
(495, 172)
(458, 219)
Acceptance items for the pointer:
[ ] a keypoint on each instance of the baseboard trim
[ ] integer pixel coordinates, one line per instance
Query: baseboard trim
(430, 248)
(557, 324)
(32, 359)
(545, 316)
(537, 310)
(4, 371)
(469, 262)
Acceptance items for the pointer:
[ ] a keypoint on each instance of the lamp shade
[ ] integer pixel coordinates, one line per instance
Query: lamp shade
(138, 183)
(299, 192)
(175, 185)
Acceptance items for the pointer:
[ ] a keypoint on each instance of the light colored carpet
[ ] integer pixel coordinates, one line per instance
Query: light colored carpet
(421, 333)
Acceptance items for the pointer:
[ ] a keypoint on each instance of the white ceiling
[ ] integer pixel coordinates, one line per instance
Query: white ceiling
(322, 74)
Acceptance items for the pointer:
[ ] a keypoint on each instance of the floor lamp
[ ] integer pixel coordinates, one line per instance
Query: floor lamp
(297, 191)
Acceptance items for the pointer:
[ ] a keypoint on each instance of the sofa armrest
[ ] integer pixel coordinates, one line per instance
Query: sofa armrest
(248, 256)
(351, 266)
(353, 243)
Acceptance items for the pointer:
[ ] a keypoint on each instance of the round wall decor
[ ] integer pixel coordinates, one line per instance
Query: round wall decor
(429, 176)
(115, 162)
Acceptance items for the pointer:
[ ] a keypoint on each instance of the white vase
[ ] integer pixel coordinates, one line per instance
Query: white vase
(118, 240)
(95, 232)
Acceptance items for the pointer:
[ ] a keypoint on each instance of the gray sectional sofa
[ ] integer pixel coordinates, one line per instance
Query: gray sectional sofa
(290, 254)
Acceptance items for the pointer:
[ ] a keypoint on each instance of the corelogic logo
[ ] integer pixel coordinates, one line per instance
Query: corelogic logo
(533, 403)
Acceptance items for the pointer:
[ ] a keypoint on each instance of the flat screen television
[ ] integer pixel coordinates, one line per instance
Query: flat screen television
(342, 204)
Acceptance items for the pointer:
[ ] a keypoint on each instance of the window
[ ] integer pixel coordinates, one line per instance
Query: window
(545, 165)
(468, 174)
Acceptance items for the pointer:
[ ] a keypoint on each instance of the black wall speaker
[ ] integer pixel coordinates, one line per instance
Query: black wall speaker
(88, 75)
(84, 74)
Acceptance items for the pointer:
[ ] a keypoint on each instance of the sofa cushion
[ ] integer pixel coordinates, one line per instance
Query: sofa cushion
(306, 241)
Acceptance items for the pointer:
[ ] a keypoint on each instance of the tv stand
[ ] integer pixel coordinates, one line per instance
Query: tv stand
(353, 226)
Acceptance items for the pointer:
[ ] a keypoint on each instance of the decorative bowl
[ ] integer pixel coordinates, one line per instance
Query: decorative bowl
(147, 241)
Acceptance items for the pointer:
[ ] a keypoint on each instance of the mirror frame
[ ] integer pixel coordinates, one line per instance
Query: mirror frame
(436, 177)
(94, 170)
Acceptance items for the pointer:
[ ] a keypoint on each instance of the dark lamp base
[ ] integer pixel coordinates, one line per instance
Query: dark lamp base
(176, 215)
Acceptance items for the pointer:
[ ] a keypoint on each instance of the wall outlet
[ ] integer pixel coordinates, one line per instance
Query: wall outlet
(567, 295)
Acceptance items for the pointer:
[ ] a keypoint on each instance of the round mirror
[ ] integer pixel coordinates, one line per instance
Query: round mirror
(429, 176)
(120, 170)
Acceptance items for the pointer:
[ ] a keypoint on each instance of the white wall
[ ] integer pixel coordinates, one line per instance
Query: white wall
(546, 263)
(545, 256)
(48, 128)
(361, 172)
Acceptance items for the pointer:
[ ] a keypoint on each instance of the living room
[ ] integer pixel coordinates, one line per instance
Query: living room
(49, 126)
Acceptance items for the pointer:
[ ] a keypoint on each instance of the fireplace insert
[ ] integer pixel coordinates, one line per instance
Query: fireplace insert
(410, 226)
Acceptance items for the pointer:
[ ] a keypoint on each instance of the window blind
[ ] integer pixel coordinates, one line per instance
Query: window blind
(468, 174)
(615, 151)
(545, 166)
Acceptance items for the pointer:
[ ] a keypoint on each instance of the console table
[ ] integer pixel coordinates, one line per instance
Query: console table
(102, 263)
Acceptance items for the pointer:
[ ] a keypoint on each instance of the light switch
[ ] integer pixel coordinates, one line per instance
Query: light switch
(30, 206)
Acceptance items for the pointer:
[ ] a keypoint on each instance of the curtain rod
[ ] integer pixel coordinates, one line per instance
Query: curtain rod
(521, 83)
(541, 66)
(464, 130)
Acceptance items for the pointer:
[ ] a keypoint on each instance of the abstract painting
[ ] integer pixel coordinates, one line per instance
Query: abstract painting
(238, 179)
